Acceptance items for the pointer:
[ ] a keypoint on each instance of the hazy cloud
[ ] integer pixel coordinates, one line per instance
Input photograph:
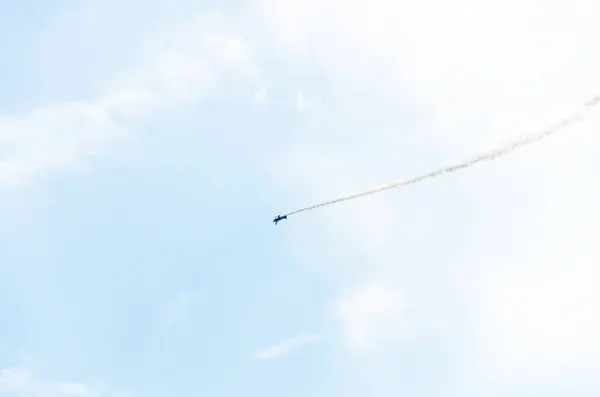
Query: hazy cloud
(285, 347)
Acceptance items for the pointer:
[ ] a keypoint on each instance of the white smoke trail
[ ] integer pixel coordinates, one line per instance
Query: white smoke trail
(528, 140)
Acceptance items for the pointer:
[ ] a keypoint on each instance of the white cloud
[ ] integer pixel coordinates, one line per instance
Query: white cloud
(496, 260)
(20, 381)
(369, 315)
(300, 101)
(187, 63)
(54, 138)
(540, 326)
(177, 310)
(459, 57)
(535, 308)
(285, 347)
(260, 97)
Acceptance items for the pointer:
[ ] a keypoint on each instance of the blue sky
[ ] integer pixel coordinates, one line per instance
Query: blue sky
(145, 148)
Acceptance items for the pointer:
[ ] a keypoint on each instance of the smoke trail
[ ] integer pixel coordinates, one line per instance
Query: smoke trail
(528, 140)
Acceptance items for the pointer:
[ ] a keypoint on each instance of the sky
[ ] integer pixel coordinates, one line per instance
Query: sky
(146, 146)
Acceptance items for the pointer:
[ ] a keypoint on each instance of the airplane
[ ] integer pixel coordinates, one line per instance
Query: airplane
(279, 217)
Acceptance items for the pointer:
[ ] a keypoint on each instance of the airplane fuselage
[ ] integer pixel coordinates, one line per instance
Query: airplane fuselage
(278, 218)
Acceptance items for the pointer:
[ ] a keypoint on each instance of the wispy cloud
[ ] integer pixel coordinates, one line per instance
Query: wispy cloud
(285, 347)
(300, 101)
(370, 314)
(20, 381)
(191, 61)
(261, 96)
(499, 270)
(176, 310)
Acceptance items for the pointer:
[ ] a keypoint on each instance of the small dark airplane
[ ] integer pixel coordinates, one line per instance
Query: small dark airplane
(279, 217)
